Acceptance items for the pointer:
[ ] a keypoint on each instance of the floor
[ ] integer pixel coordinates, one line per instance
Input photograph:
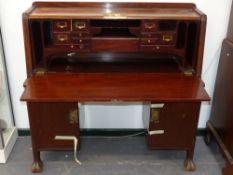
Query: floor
(114, 156)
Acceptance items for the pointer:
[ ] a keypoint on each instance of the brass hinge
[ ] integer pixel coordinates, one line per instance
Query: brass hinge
(73, 116)
(40, 71)
(155, 110)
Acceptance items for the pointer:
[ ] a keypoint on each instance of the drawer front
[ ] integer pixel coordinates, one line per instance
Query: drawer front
(150, 41)
(149, 26)
(61, 38)
(75, 47)
(61, 25)
(80, 35)
(161, 39)
(80, 41)
(80, 25)
(173, 125)
(48, 120)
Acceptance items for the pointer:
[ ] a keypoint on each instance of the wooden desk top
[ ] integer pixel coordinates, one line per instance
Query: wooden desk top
(159, 87)
(114, 11)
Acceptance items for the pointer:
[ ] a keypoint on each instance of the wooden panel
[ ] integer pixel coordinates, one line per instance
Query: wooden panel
(118, 86)
(50, 119)
(222, 108)
(93, 12)
(179, 122)
(115, 45)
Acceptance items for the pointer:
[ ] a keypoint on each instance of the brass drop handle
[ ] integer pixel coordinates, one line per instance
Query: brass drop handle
(73, 116)
(62, 25)
(62, 38)
(80, 25)
(167, 38)
(150, 25)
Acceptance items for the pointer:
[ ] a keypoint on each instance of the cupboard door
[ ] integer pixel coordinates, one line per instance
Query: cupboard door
(173, 125)
(48, 120)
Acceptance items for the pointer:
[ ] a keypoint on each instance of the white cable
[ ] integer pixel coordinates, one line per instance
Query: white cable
(59, 137)
(116, 137)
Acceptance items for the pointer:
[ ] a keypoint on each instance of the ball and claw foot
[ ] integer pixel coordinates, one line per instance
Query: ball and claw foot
(189, 165)
(37, 167)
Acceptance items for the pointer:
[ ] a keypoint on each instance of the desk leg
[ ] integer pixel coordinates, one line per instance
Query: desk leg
(37, 164)
(189, 164)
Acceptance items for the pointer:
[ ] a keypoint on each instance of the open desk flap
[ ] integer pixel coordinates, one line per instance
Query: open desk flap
(114, 87)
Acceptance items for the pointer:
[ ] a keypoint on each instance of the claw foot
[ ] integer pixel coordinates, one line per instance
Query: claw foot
(37, 167)
(189, 165)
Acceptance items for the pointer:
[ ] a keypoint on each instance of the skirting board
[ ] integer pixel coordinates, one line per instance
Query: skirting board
(110, 132)
(5, 152)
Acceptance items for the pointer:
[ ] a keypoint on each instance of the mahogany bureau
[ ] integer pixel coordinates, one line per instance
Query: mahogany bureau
(81, 52)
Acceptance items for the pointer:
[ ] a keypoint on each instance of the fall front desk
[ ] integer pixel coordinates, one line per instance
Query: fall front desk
(104, 52)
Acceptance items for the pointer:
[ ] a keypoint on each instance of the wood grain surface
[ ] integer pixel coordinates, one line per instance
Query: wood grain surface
(114, 87)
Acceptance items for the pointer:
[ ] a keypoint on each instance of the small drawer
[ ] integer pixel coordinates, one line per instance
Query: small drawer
(80, 40)
(149, 26)
(80, 35)
(61, 38)
(61, 25)
(150, 41)
(80, 25)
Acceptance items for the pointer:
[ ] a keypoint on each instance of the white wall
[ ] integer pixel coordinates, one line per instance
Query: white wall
(128, 116)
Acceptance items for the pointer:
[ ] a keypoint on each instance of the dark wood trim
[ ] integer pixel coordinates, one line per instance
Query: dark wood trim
(113, 4)
(201, 44)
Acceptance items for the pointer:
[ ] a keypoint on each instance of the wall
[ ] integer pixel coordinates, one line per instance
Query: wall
(99, 116)
(5, 109)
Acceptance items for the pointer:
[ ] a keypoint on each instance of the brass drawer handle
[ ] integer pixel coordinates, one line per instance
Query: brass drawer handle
(62, 38)
(149, 26)
(80, 25)
(167, 38)
(62, 25)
